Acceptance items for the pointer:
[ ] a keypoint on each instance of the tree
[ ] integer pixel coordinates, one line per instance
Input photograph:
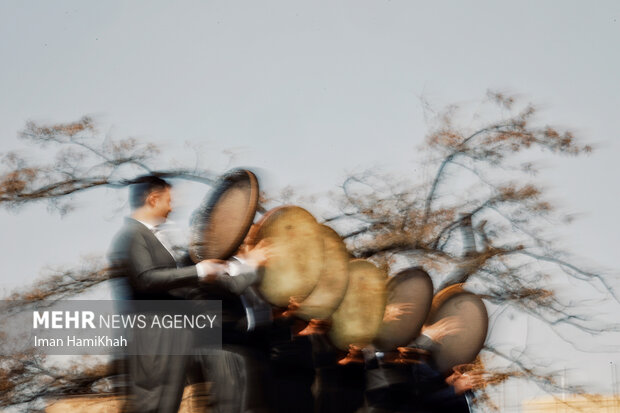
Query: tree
(504, 251)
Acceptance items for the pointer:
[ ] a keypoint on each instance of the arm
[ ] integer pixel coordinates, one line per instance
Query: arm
(432, 335)
(424, 342)
(144, 275)
(243, 270)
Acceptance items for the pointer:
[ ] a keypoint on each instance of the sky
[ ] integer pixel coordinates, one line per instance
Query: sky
(307, 92)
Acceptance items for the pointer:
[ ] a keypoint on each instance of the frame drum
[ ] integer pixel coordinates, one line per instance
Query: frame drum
(297, 264)
(463, 346)
(357, 319)
(332, 284)
(409, 297)
(221, 223)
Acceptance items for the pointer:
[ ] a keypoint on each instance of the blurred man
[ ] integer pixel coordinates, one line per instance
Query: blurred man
(412, 384)
(141, 255)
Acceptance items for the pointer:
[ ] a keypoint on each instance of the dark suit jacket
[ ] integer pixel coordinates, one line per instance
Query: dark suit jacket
(140, 260)
(151, 271)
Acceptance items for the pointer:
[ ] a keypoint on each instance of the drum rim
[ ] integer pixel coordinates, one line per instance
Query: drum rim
(449, 293)
(227, 181)
(394, 282)
(357, 261)
(303, 313)
(398, 278)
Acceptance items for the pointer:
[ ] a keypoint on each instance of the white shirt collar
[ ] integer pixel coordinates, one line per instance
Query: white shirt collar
(146, 224)
(149, 225)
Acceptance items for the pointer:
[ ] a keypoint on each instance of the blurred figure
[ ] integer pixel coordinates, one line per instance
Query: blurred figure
(141, 255)
(465, 379)
(408, 382)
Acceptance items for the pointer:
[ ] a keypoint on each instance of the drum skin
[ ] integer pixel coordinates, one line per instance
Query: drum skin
(221, 223)
(297, 263)
(357, 319)
(332, 284)
(409, 297)
(463, 346)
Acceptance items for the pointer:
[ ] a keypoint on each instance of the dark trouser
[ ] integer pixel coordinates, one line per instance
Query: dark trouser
(157, 376)
(340, 389)
(240, 380)
(291, 371)
(157, 381)
(416, 388)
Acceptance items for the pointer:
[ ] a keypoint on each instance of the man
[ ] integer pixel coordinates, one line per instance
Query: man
(142, 257)
(140, 251)
(415, 386)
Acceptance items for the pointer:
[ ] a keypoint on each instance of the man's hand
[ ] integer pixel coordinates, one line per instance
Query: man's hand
(393, 312)
(257, 255)
(212, 269)
(463, 382)
(293, 305)
(442, 328)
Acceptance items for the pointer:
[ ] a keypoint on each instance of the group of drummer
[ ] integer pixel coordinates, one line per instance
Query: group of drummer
(308, 328)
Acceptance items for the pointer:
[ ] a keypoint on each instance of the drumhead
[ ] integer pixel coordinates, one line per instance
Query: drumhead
(409, 297)
(357, 319)
(297, 241)
(473, 320)
(332, 284)
(221, 223)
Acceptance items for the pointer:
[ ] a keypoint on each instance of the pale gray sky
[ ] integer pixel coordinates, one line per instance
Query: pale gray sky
(307, 91)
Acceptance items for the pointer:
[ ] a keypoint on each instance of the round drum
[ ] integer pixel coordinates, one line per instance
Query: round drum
(297, 262)
(409, 297)
(463, 346)
(332, 284)
(221, 223)
(357, 319)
